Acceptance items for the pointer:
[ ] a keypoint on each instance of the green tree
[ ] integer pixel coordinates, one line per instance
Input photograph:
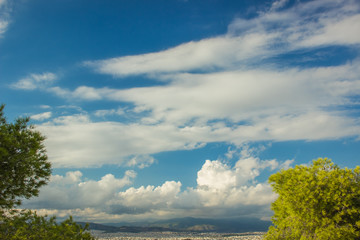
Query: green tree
(24, 168)
(23, 161)
(321, 201)
(28, 225)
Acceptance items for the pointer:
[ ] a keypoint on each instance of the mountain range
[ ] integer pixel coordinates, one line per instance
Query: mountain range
(189, 224)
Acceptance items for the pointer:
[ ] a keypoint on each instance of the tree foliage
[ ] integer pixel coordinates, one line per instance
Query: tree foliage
(23, 161)
(321, 201)
(28, 225)
(24, 168)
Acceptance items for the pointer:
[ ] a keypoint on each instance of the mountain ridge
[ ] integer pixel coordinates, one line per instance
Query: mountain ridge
(187, 224)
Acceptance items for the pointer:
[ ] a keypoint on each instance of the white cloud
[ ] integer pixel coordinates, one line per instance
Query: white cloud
(82, 92)
(76, 141)
(141, 161)
(3, 26)
(109, 112)
(71, 192)
(35, 81)
(218, 190)
(150, 197)
(41, 116)
(209, 53)
(237, 97)
(45, 106)
(309, 24)
(251, 103)
(344, 31)
(222, 191)
(87, 93)
(4, 17)
(278, 4)
(2, 2)
(244, 94)
(215, 175)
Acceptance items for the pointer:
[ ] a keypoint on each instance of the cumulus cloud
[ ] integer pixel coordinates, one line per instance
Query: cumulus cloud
(72, 192)
(223, 190)
(148, 198)
(220, 187)
(221, 184)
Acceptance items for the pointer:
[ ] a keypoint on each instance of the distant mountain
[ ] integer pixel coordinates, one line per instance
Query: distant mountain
(131, 229)
(189, 224)
(215, 225)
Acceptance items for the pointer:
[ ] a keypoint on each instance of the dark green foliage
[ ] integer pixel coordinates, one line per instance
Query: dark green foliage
(24, 168)
(28, 225)
(23, 161)
(321, 201)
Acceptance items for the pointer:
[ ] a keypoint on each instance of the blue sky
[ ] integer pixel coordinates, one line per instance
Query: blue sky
(170, 108)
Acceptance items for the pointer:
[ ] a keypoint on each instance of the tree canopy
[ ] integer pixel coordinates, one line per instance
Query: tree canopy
(27, 225)
(321, 201)
(23, 161)
(24, 168)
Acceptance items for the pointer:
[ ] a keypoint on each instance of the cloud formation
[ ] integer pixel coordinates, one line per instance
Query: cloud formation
(41, 116)
(195, 109)
(4, 17)
(72, 192)
(221, 189)
(35, 81)
(240, 87)
(248, 40)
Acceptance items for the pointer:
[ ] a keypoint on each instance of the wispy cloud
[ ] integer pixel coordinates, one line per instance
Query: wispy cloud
(141, 161)
(278, 4)
(3, 26)
(209, 54)
(231, 99)
(228, 88)
(224, 88)
(41, 116)
(35, 81)
(109, 112)
(76, 141)
(4, 17)
(248, 40)
(195, 109)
